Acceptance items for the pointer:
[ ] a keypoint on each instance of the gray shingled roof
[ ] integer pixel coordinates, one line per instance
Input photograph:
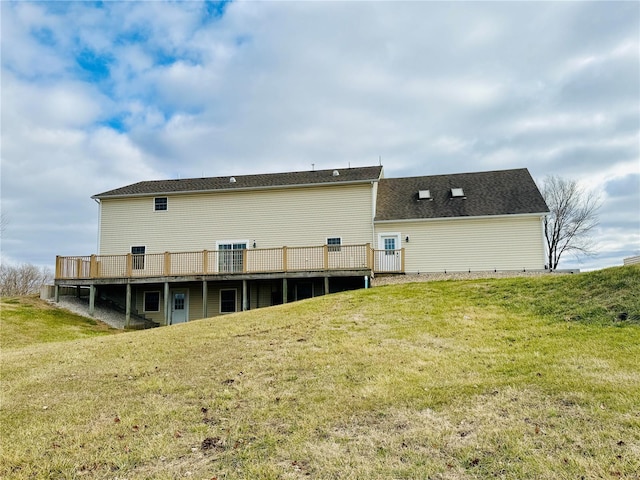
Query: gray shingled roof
(316, 177)
(502, 192)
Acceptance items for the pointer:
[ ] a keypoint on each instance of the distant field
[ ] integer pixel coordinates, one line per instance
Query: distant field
(28, 320)
(511, 378)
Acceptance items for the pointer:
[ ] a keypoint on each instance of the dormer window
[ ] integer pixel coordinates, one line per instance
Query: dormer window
(160, 204)
(457, 193)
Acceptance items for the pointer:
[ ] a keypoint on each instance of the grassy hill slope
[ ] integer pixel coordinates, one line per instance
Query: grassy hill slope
(28, 320)
(519, 378)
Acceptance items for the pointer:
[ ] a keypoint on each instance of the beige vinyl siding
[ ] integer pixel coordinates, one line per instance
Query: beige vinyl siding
(271, 218)
(480, 244)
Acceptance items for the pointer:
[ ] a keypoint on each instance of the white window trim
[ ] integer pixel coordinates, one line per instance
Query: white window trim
(235, 304)
(390, 234)
(144, 301)
(227, 242)
(154, 205)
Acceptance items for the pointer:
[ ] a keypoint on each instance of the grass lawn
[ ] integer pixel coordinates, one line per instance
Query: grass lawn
(512, 378)
(26, 321)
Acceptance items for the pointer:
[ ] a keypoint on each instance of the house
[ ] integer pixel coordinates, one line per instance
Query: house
(177, 250)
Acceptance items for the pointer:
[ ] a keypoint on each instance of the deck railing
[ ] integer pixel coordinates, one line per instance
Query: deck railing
(223, 262)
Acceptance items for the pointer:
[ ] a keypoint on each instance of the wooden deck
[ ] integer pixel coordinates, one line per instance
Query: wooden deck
(339, 259)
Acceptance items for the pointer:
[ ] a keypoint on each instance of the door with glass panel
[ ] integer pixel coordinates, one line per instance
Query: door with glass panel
(388, 255)
(230, 257)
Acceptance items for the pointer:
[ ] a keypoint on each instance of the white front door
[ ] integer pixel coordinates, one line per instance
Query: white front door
(389, 252)
(179, 306)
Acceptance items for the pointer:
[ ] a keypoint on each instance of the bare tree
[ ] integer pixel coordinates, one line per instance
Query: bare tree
(23, 279)
(573, 215)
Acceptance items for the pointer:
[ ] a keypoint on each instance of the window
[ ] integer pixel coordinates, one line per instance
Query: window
(390, 246)
(160, 204)
(151, 302)
(457, 192)
(138, 257)
(227, 301)
(334, 244)
(230, 256)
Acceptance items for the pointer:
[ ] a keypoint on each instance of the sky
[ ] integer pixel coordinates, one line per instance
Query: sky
(98, 95)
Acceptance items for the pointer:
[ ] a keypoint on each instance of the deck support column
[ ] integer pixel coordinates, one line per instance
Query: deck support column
(166, 303)
(56, 293)
(284, 290)
(245, 306)
(127, 314)
(326, 285)
(205, 294)
(92, 299)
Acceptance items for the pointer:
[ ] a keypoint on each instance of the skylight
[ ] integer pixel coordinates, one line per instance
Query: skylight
(424, 194)
(457, 192)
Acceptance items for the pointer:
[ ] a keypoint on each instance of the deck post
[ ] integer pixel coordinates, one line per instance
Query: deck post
(167, 264)
(325, 249)
(58, 266)
(369, 256)
(326, 285)
(92, 299)
(402, 259)
(245, 306)
(166, 303)
(284, 259)
(56, 293)
(127, 314)
(205, 293)
(244, 260)
(79, 268)
(93, 267)
(205, 261)
(129, 265)
(284, 290)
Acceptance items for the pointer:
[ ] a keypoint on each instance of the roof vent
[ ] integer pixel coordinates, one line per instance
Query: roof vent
(232, 180)
(424, 195)
(457, 192)
(335, 173)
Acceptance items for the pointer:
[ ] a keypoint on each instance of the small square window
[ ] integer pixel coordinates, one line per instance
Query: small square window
(151, 301)
(334, 244)
(160, 204)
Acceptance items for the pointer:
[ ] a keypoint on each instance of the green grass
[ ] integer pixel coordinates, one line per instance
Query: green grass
(515, 378)
(28, 320)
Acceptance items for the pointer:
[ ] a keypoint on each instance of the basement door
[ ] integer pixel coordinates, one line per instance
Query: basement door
(388, 254)
(179, 306)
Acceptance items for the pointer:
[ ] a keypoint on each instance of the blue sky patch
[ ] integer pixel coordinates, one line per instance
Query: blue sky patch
(214, 10)
(94, 67)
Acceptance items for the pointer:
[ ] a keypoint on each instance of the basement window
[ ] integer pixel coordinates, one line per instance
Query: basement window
(160, 204)
(457, 193)
(151, 302)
